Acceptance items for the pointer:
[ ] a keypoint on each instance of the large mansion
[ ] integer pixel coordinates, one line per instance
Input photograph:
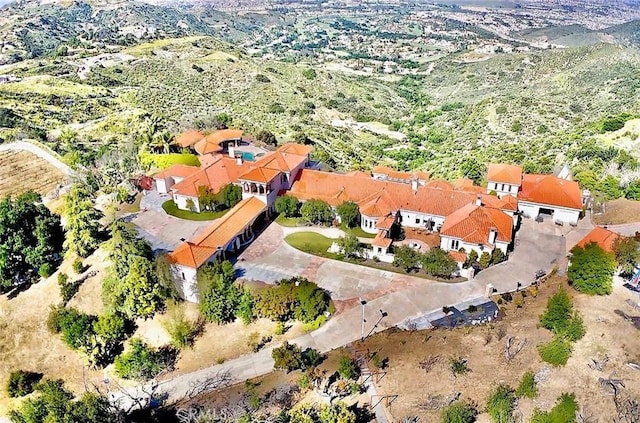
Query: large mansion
(467, 217)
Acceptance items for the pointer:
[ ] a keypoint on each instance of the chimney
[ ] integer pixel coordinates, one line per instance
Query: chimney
(414, 183)
(239, 160)
(479, 200)
(493, 233)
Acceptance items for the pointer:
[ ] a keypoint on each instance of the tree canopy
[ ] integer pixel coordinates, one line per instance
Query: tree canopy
(437, 262)
(30, 239)
(82, 224)
(591, 270)
(316, 212)
(287, 205)
(626, 253)
(348, 212)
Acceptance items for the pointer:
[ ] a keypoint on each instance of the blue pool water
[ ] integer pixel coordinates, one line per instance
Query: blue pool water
(250, 157)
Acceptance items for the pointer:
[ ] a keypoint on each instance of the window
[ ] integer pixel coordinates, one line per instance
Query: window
(182, 274)
(502, 187)
(455, 244)
(417, 220)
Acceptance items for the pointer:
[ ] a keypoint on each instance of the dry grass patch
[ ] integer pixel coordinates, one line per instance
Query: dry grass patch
(21, 171)
(619, 212)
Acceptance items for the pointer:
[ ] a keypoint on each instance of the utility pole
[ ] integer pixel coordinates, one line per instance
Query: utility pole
(362, 303)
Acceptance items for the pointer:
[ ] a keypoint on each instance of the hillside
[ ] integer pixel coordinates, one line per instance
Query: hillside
(36, 28)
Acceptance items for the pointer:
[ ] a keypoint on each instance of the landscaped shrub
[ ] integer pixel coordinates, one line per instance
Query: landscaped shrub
(295, 298)
(45, 270)
(22, 383)
(458, 366)
(163, 161)
(348, 369)
(460, 412)
(501, 403)
(527, 387)
(591, 270)
(182, 331)
(556, 352)
(560, 319)
(563, 412)
(290, 357)
(143, 362)
(77, 265)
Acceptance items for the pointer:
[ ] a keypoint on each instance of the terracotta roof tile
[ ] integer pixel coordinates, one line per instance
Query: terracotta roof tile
(551, 190)
(601, 236)
(440, 184)
(505, 173)
(294, 148)
(473, 223)
(187, 139)
(386, 222)
(196, 252)
(258, 174)
(223, 171)
(177, 171)
(397, 174)
(458, 256)
(381, 241)
(507, 202)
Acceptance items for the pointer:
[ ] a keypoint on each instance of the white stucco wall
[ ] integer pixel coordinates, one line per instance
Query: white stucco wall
(186, 282)
(409, 219)
(161, 185)
(181, 202)
(502, 189)
(368, 224)
(446, 243)
(560, 214)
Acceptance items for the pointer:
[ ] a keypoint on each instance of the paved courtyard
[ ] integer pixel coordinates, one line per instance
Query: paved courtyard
(162, 231)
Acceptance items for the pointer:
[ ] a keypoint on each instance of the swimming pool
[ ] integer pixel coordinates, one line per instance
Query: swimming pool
(248, 156)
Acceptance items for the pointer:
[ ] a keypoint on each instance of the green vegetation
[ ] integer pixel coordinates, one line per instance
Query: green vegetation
(295, 298)
(527, 387)
(316, 212)
(142, 362)
(219, 297)
(459, 412)
(82, 225)
(556, 352)
(435, 262)
(31, 237)
(335, 413)
(67, 289)
(132, 285)
(349, 213)
(563, 412)
(501, 404)
(627, 253)
(54, 403)
(348, 368)
(289, 222)
(287, 206)
(290, 357)
(170, 207)
(566, 325)
(164, 161)
(458, 366)
(312, 243)
(182, 331)
(591, 270)
(22, 383)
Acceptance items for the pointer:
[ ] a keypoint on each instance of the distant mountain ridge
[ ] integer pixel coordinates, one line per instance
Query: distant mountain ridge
(626, 34)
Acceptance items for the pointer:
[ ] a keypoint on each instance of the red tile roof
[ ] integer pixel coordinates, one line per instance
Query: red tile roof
(473, 223)
(211, 142)
(458, 256)
(223, 171)
(258, 174)
(504, 173)
(381, 241)
(551, 190)
(294, 148)
(601, 236)
(386, 222)
(177, 171)
(196, 252)
(507, 202)
(187, 139)
(397, 174)
(377, 196)
(282, 162)
(466, 184)
(440, 184)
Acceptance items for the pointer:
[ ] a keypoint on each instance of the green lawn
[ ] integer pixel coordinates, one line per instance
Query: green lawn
(170, 207)
(312, 243)
(290, 222)
(357, 231)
